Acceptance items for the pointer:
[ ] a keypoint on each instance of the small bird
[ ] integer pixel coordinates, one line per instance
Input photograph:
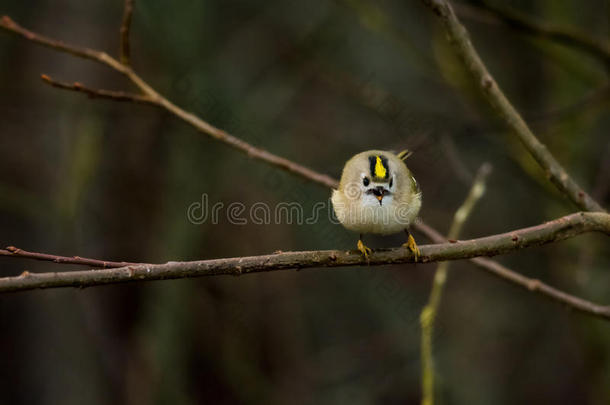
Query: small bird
(378, 194)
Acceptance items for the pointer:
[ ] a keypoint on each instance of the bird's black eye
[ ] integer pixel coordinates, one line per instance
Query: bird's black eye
(391, 181)
(365, 181)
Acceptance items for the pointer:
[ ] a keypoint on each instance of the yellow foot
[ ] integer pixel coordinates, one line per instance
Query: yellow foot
(412, 246)
(364, 250)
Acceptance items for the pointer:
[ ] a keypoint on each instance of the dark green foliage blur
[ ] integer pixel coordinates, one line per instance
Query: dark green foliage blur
(316, 82)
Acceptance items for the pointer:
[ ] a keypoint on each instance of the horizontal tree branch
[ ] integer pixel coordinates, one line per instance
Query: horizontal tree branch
(98, 93)
(460, 40)
(60, 280)
(556, 230)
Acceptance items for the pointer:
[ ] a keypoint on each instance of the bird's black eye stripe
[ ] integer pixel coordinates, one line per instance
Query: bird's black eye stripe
(391, 181)
(365, 181)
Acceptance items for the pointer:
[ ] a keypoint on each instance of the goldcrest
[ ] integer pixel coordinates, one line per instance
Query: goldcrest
(377, 194)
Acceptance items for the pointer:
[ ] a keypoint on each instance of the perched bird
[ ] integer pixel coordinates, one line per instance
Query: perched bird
(378, 194)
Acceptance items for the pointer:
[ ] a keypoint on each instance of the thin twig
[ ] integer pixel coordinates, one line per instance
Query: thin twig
(98, 93)
(565, 35)
(559, 229)
(460, 39)
(125, 28)
(428, 314)
(12, 251)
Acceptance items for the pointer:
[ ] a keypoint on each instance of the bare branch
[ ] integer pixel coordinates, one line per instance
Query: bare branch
(559, 229)
(125, 27)
(565, 35)
(428, 314)
(12, 251)
(98, 93)
(460, 39)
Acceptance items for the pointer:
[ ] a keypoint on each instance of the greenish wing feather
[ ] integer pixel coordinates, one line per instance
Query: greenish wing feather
(404, 154)
(414, 185)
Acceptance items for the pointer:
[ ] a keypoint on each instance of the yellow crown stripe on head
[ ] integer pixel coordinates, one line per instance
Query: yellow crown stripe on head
(380, 170)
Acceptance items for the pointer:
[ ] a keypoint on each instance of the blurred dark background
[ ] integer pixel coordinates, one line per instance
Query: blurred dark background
(316, 82)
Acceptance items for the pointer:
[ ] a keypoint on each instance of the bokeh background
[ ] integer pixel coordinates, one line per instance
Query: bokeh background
(316, 82)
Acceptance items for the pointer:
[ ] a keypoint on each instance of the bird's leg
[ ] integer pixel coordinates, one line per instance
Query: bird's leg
(363, 249)
(411, 245)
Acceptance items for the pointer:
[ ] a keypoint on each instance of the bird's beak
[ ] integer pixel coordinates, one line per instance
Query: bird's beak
(378, 192)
